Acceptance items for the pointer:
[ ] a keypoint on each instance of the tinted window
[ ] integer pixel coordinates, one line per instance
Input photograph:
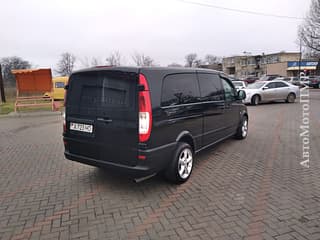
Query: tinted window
(229, 90)
(59, 85)
(281, 84)
(102, 89)
(180, 89)
(272, 78)
(255, 85)
(271, 85)
(210, 87)
(238, 84)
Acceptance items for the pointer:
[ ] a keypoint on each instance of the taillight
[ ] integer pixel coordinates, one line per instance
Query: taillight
(64, 104)
(145, 111)
(64, 122)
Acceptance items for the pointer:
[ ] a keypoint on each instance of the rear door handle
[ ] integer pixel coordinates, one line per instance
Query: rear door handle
(105, 120)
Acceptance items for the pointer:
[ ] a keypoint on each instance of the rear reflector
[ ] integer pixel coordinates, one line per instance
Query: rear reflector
(145, 111)
(141, 157)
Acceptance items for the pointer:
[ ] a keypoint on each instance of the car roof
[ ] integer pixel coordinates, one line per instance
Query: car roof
(141, 69)
(276, 81)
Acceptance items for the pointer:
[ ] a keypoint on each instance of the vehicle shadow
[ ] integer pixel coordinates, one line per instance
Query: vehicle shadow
(273, 103)
(106, 177)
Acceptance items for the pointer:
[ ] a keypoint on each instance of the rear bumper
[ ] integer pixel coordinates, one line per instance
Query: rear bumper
(156, 160)
(247, 100)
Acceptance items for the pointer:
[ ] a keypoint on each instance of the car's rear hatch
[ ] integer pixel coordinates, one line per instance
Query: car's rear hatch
(102, 116)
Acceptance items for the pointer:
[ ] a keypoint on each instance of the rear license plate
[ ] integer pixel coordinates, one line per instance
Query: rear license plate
(88, 128)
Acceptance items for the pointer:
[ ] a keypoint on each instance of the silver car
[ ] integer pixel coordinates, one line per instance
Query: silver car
(239, 84)
(268, 91)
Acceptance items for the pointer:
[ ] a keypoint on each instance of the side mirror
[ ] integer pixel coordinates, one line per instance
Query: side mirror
(241, 95)
(264, 88)
(66, 87)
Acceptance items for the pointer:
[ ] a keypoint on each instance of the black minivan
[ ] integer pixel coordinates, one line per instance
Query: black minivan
(145, 120)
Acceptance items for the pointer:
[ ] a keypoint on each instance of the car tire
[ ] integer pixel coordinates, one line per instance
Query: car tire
(291, 98)
(255, 100)
(242, 131)
(180, 168)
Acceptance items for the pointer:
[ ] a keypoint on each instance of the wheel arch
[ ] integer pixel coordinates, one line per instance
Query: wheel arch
(186, 137)
(256, 94)
(295, 95)
(245, 114)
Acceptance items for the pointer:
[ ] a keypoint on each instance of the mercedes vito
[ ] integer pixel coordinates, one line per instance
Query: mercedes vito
(141, 121)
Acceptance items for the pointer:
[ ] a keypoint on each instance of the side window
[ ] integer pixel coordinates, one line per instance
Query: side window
(281, 85)
(271, 85)
(210, 87)
(229, 91)
(180, 89)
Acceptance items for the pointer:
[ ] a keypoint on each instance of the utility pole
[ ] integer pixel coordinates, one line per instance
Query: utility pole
(3, 97)
(246, 54)
(300, 60)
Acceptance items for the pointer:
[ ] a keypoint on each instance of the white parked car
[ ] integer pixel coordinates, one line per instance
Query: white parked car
(239, 84)
(268, 91)
(304, 81)
(287, 79)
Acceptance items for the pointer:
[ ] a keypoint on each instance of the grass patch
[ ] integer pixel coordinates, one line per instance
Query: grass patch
(7, 107)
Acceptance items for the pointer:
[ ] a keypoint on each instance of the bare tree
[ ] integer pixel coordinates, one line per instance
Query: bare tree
(309, 54)
(309, 30)
(114, 59)
(142, 60)
(66, 64)
(212, 59)
(84, 61)
(175, 65)
(87, 62)
(190, 59)
(197, 63)
(95, 62)
(10, 63)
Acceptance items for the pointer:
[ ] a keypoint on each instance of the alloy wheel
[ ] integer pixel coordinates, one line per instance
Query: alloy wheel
(185, 163)
(245, 128)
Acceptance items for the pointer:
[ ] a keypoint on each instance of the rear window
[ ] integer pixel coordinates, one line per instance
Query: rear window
(180, 89)
(237, 84)
(59, 85)
(104, 89)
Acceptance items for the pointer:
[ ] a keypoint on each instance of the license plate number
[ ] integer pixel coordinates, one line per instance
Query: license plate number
(88, 128)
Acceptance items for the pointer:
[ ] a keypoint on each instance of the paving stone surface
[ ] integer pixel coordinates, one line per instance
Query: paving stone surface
(251, 189)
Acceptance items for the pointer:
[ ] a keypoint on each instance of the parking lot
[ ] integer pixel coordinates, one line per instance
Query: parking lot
(251, 189)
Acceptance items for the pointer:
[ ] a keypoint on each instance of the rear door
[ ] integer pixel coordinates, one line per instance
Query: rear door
(283, 90)
(104, 102)
(212, 98)
(180, 103)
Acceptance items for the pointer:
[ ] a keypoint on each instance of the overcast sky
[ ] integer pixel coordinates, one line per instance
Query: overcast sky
(166, 30)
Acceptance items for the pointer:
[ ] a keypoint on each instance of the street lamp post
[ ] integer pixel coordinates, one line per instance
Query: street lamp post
(3, 97)
(246, 54)
(300, 53)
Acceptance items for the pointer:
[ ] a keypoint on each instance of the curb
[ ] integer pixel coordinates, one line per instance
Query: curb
(31, 114)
